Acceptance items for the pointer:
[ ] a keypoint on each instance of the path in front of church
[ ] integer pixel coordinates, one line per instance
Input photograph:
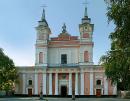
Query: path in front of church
(63, 99)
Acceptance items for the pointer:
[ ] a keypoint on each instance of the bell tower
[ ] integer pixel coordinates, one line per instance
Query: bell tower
(86, 28)
(86, 40)
(43, 30)
(43, 33)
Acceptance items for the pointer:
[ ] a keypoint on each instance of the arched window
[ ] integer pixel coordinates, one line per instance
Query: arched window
(41, 57)
(86, 56)
(98, 82)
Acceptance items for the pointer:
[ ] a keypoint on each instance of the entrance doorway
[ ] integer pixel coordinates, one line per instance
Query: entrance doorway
(29, 92)
(63, 91)
(98, 92)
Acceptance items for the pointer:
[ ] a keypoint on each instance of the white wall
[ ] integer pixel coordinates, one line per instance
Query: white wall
(54, 55)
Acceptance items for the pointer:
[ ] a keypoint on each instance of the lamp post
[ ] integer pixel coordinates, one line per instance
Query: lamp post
(41, 94)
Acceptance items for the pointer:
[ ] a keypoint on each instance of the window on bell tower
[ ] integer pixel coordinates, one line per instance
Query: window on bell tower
(86, 56)
(41, 57)
(63, 58)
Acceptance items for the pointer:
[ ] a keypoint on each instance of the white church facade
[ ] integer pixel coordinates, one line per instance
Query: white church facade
(64, 64)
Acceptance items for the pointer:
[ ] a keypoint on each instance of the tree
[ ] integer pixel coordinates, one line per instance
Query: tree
(8, 72)
(117, 59)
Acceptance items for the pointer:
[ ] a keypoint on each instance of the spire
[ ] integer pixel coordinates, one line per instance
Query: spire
(43, 21)
(86, 19)
(43, 15)
(85, 13)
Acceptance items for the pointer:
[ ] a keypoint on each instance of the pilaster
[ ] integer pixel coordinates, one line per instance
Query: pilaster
(91, 83)
(76, 83)
(70, 83)
(115, 89)
(56, 84)
(36, 84)
(105, 86)
(24, 82)
(50, 83)
(44, 83)
(82, 83)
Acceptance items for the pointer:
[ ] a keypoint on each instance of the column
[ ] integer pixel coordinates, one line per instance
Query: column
(82, 84)
(91, 83)
(105, 86)
(44, 84)
(70, 83)
(24, 84)
(36, 84)
(76, 83)
(50, 83)
(56, 84)
(115, 89)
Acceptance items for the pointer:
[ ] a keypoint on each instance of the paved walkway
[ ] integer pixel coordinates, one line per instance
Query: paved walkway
(63, 99)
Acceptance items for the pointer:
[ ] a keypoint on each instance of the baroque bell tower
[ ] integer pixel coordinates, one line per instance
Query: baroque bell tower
(86, 40)
(43, 33)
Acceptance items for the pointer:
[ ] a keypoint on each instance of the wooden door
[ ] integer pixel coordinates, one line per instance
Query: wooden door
(98, 92)
(29, 92)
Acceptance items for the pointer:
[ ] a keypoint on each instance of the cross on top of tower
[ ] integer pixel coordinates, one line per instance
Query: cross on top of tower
(85, 3)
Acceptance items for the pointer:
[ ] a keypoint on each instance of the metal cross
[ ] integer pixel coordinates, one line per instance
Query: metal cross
(44, 6)
(85, 3)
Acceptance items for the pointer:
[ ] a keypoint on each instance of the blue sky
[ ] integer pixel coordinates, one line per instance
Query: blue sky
(18, 19)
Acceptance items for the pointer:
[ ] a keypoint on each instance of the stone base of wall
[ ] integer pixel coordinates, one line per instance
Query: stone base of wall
(69, 96)
(125, 94)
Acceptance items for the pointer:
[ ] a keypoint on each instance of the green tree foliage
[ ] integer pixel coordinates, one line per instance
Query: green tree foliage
(8, 72)
(117, 60)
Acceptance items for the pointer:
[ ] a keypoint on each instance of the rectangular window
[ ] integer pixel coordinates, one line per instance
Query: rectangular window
(64, 59)
(86, 56)
(30, 82)
(41, 57)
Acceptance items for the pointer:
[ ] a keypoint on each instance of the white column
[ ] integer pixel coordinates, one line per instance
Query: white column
(105, 86)
(91, 83)
(76, 83)
(24, 84)
(115, 89)
(70, 83)
(56, 84)
(44, 84)
(50, 83)
(82, 84)
(36, 84)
